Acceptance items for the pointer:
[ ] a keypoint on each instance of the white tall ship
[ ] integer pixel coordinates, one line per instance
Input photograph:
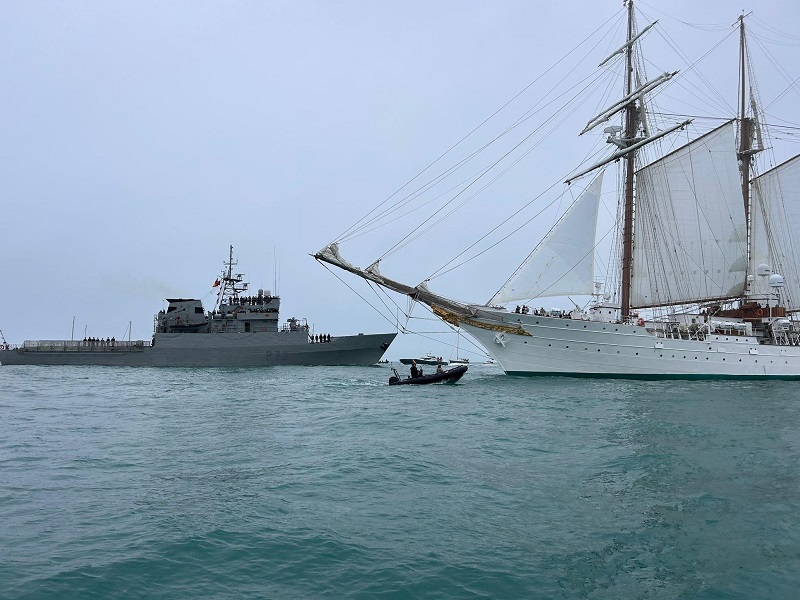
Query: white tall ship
(708, 261)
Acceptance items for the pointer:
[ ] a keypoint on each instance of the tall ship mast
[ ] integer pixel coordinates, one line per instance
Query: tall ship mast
(707, 277)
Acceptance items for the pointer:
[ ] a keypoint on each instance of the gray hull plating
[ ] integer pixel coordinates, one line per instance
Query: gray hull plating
(211, 350)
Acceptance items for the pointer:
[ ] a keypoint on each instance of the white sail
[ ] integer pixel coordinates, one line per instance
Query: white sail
(563, 263)
(689, 231)
(774, 219)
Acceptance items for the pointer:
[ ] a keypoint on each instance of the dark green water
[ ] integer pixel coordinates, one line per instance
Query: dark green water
(326, 483)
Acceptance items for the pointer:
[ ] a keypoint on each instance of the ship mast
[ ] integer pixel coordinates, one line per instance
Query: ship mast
(630, 133)
(233, 284)
(745, 134)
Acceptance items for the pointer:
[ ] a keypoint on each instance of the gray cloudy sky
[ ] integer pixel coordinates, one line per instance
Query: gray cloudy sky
(140, 139)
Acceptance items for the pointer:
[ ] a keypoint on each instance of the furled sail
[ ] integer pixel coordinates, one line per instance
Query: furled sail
(690, 231)
(774, 219)
(563, 263)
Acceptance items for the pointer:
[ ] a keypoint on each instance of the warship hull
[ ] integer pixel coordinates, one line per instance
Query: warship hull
(260, 349)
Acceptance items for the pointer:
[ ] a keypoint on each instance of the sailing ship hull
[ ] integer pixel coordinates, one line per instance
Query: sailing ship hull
(575, 348)
(208, 350)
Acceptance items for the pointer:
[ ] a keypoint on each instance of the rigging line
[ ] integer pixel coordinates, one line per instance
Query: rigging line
(782, 71)
(463, 203)
(529, 114)
(583, 86)
(772, 29)
(439, 272)
(702, 27)
(421, 206)
(793, 85)
(458, 331)
(483, 122)
(691, 116)
(513, 232)
(514, 163)
(692, 66)
(481, 350)
(416, 233)
(369, 283)
(356, 293)
(381, 219)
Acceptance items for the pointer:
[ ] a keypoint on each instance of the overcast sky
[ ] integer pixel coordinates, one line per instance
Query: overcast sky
(140, 139)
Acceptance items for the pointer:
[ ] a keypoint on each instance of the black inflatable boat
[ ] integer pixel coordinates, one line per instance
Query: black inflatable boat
(449, 376)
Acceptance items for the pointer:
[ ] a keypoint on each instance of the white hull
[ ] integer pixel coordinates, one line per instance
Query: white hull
(570, 347)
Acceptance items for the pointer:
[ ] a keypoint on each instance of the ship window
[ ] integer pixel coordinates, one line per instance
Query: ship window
(198, 310)
(247, 326)
(172, 308)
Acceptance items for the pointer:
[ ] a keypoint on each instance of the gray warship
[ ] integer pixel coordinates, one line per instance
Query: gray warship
(242, 330)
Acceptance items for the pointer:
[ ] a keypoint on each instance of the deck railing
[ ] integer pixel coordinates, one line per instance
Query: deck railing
(84, 346)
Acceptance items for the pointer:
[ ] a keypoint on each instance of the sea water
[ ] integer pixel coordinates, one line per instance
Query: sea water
(294, 482)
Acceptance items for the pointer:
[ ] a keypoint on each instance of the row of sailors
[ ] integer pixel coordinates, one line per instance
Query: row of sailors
(524, 310)
(92, 341)
(251, 300)
(320, 338)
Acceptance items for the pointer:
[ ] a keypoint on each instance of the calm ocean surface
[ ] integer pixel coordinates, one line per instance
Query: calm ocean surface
(296, 482)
